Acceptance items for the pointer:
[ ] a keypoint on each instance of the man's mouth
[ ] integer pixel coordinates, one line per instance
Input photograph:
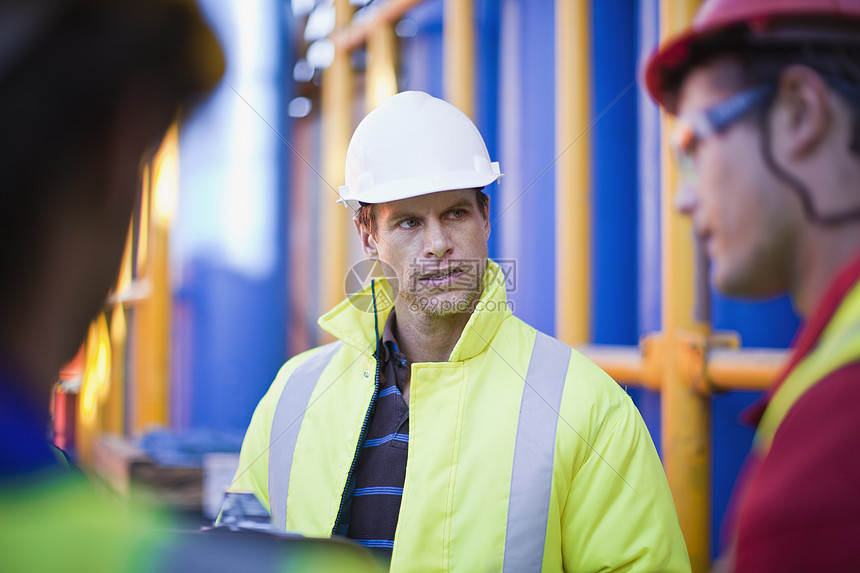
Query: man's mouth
(441, 277)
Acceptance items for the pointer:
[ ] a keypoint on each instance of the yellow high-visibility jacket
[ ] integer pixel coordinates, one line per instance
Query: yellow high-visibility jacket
(523, 455)
(51, 521)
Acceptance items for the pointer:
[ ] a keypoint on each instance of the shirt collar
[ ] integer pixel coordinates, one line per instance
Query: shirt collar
(389, 342)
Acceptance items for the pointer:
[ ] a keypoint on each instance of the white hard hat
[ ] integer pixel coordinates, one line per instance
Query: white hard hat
(411, 145)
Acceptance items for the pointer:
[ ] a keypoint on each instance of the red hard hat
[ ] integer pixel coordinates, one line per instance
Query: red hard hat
(717, 15)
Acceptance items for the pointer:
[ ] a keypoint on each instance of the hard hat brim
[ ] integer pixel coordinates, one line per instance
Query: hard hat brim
(406, 189)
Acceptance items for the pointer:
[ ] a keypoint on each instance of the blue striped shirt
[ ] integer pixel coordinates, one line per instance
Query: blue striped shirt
(381, 468)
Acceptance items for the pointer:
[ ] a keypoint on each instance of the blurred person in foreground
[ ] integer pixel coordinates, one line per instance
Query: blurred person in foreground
(87, 88)
(766, 95)
(441, 430)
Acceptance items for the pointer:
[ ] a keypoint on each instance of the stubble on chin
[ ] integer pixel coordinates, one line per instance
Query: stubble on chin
(437, 305)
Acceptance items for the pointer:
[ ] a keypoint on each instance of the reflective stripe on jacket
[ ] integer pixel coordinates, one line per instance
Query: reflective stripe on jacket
(523, 455)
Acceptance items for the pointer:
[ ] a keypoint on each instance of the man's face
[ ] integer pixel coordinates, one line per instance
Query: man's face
(745, 218)
(436, 245)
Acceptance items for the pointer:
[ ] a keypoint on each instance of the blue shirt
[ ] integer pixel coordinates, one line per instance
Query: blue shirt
(24, 447)
(381, 468)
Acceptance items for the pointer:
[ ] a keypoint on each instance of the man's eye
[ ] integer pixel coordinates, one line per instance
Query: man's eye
(457, 213)
(408, 223)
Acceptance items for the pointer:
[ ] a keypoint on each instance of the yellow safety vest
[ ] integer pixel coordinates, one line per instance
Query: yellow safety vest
(838, 346)
(523, 455)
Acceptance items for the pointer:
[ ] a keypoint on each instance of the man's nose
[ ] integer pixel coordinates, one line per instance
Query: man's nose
(437, 240)
(686, 199)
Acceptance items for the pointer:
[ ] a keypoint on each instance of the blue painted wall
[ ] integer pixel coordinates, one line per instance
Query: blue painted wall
(648, 155)
(486, 93)
(422, 55)
(614, 166)
(228, 248)
(525, 219)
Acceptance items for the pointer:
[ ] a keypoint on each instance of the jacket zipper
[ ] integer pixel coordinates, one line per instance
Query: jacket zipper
(351, 475)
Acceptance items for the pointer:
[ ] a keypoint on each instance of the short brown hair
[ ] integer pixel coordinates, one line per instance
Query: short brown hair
(364, 213)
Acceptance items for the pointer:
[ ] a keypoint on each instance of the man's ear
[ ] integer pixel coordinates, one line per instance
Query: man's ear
(368, 242)
(803, 115)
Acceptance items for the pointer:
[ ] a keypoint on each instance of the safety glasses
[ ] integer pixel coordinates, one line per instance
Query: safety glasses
(689, 130)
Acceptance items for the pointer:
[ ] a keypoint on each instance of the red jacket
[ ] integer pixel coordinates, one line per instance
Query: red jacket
(796, 506)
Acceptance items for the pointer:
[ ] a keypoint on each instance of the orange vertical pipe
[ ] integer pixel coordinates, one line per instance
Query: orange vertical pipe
(573, 171)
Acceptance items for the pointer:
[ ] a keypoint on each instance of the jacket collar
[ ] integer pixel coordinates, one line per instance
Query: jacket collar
(806, 340)
(352, 320)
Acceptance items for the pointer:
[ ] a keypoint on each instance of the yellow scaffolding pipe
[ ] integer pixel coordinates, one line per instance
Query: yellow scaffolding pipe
(624, 364)
(357, 34)
(152, 324)
(337, 91)
(753, 369)
(458, 33)
(573, 171)
(381, 75)
(114, 415)
(723, 370)
(94, 388)
(685, 412)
